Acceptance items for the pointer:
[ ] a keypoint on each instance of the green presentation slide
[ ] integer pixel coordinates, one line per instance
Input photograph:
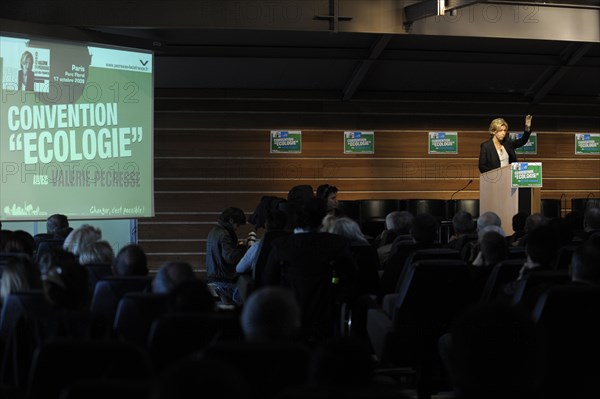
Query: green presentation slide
(76, 130)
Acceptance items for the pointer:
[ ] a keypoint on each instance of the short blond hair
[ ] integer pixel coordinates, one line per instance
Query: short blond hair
(496, 124)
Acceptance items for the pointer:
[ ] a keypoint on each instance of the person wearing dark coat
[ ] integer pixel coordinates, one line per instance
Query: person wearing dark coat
(317, 266)
(499, 150)
(223, 252)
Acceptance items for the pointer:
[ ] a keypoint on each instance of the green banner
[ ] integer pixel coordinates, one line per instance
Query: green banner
(526, 174)
(443, 143)
(359, 142)
(530, 147)
(283, 141)
(587, 143)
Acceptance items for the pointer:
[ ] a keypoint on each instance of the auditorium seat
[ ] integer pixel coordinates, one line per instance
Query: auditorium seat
(96, 272)
(268, 367)
(135, 313)
(175, 335)
(568, 316)
(405, 330)
(109, 291)
(565, 253)
(29, 304)
(517, 252)
(501, 274)
(427, 254)
(59, 363)
(18, 304)
(529, 288)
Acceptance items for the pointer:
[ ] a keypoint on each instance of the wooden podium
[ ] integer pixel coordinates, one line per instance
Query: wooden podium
(497, 195)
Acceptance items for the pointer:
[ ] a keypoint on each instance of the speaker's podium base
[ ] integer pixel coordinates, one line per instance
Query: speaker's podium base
(497, 195)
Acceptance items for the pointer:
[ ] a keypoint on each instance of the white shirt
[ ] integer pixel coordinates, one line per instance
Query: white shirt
(503, 155)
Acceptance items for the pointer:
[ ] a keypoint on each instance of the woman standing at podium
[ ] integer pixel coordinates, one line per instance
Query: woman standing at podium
(499, 150)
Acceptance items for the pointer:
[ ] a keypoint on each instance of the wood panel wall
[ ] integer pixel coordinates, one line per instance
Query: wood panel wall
(211, 155)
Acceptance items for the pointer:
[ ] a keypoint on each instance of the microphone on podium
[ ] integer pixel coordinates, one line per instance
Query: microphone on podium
(448, 213)
(458, 191)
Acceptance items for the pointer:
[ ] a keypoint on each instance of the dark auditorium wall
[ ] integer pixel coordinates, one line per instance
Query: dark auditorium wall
(212, 151)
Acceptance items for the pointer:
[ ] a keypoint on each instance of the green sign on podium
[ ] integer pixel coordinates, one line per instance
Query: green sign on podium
(526, 174)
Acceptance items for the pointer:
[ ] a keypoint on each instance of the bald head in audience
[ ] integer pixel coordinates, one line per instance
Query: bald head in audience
(270, 313)
(131, 261)
(171, 275)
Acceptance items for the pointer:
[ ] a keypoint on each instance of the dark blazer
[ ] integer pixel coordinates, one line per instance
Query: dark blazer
(488, 156)
(306, 263)
(30, 80)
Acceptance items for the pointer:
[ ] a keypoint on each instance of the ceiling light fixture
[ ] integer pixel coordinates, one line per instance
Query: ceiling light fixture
(441, 7)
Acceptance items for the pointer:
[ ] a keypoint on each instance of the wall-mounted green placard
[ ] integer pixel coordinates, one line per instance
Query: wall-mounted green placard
(443, 143)
(283, 141)
(359, 142)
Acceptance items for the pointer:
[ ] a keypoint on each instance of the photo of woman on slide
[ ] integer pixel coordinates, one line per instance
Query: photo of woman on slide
(26, 76)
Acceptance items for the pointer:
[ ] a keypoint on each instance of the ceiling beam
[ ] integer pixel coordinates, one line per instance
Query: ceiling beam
(365, 65)
(572, 54)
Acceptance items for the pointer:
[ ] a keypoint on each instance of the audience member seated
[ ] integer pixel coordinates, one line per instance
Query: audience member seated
(424, 234)
(171, 275)
(4, 236)
(471, 250)
(518, 225)
(329, 194)
(19, 241)
(585, 263)
(464, 230)
(82, 237)
(65, 287)
(98, 259)
(276, 221)
(271, 314)
(575, 220)
(365, 255)
(397, 224)
(494, 352)
(532, 221)
(20, 273)
(479, 260)
(97, 253)
(267, 204)
(591, 222)
(131, 260)
(57, 228)
(64, 280)
(493, 250)
(317, 266)
(542, 250)
(493, 247)
(223, 252)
